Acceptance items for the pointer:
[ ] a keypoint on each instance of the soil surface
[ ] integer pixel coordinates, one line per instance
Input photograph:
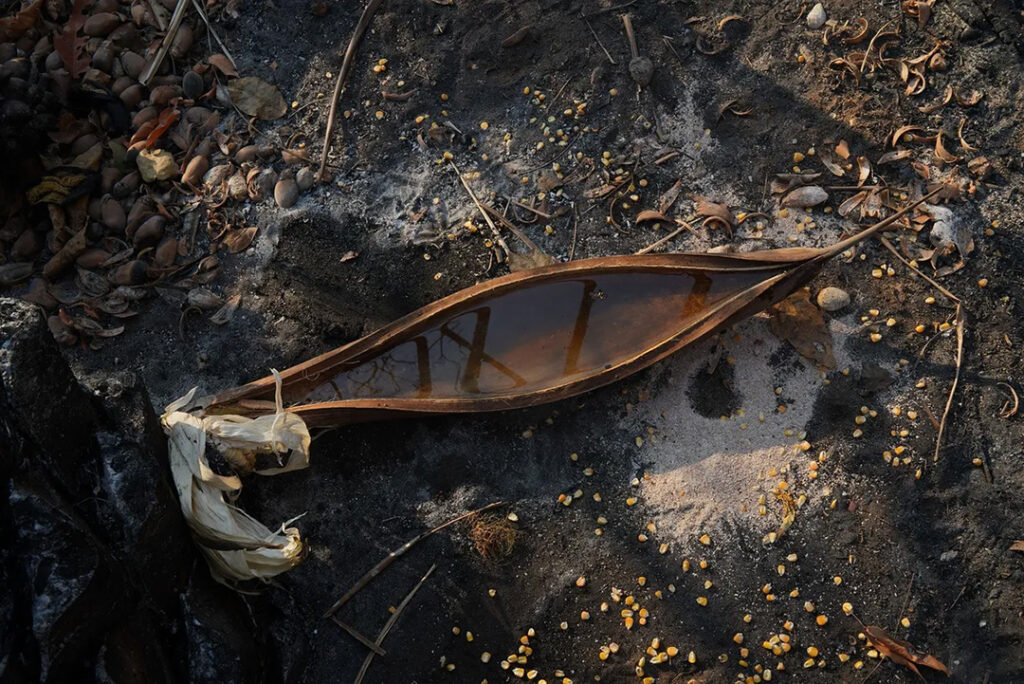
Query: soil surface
(721, 440)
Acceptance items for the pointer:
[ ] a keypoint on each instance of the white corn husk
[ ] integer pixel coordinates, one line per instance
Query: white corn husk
(237, 546)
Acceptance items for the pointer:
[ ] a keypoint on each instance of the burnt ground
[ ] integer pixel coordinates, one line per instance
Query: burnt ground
(933, 549)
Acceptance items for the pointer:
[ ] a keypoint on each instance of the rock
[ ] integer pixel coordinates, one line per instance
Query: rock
(78, 589)
(156, 165)
(221, 648)
(816, 18)
(304, 178)
(286, 193)
(139, 507)
(947, 556)
(833, 299)
(641, 69)
(40, 393)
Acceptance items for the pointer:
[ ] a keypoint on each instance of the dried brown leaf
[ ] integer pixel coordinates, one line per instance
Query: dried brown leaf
(863, 170)
(893, 156)
(255, 97)
(600, 191)
(901, 131)
(850, 204)
(70, 44)
(798, 321)
(669, 197)
(222, 64)
(13, 27)
(902, 652)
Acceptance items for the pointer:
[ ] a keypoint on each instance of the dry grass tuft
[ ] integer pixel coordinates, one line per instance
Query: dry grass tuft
(493, 536)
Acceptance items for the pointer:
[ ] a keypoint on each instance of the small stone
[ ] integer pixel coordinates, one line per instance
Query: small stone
(833, 299)
(304, 179)
(156, 165)
(947, 556)
(816, 18)
(286, 193)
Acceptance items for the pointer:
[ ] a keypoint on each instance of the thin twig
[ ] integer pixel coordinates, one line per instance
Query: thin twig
(394, 555)
(165, 45)
(538, 212)
(959, 318)
(575, 226)
(358, 636)
(339, 85)
(512, 228)
(683, 225)
(209, 28)
(392, 619)
(906, 604)
(494, 229)
(603, 48)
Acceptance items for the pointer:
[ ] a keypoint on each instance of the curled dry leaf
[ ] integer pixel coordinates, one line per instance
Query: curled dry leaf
(805, 196)
(652, 215)
(863, 170)
(600, 191)
(851, 203)
(825, 155)
(226, 312)
(947, 96)
(733, 107)
(715, 214)
(902, 652)
(902, 131)
(222, 64)
(255, 97)
(798, 321)
(960, 134)
(941, 153)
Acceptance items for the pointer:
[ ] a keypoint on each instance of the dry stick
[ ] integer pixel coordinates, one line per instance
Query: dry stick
(483, 212)
(511, 227)
(393, 556)
(209, 28)
(683, 225)
(165, 46)
(959, 315)
(391, 623)
(358, 636)
(603, 48)
(339, 85)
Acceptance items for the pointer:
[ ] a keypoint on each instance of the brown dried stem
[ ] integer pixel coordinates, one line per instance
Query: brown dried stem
(339, 85)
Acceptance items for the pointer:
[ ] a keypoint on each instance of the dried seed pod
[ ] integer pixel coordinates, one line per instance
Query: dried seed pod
(28, 244)
(247, 154)
(149, 232)
(286, 193)
(127, 185)
(100, 24)
(195, 170)
(133, 63)
(93, 257)
(131, 97)
(217, 175)
(112, 214)
(140, 211)
(304, 178)
(60, 331)
(162, 95)
(166, 252)
(192, 85)
(132, 273)
(39, 294)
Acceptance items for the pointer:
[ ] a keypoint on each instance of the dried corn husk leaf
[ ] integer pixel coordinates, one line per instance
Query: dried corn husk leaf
(255, 97)
(851, 203)
(805, 196)
(237, 546)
